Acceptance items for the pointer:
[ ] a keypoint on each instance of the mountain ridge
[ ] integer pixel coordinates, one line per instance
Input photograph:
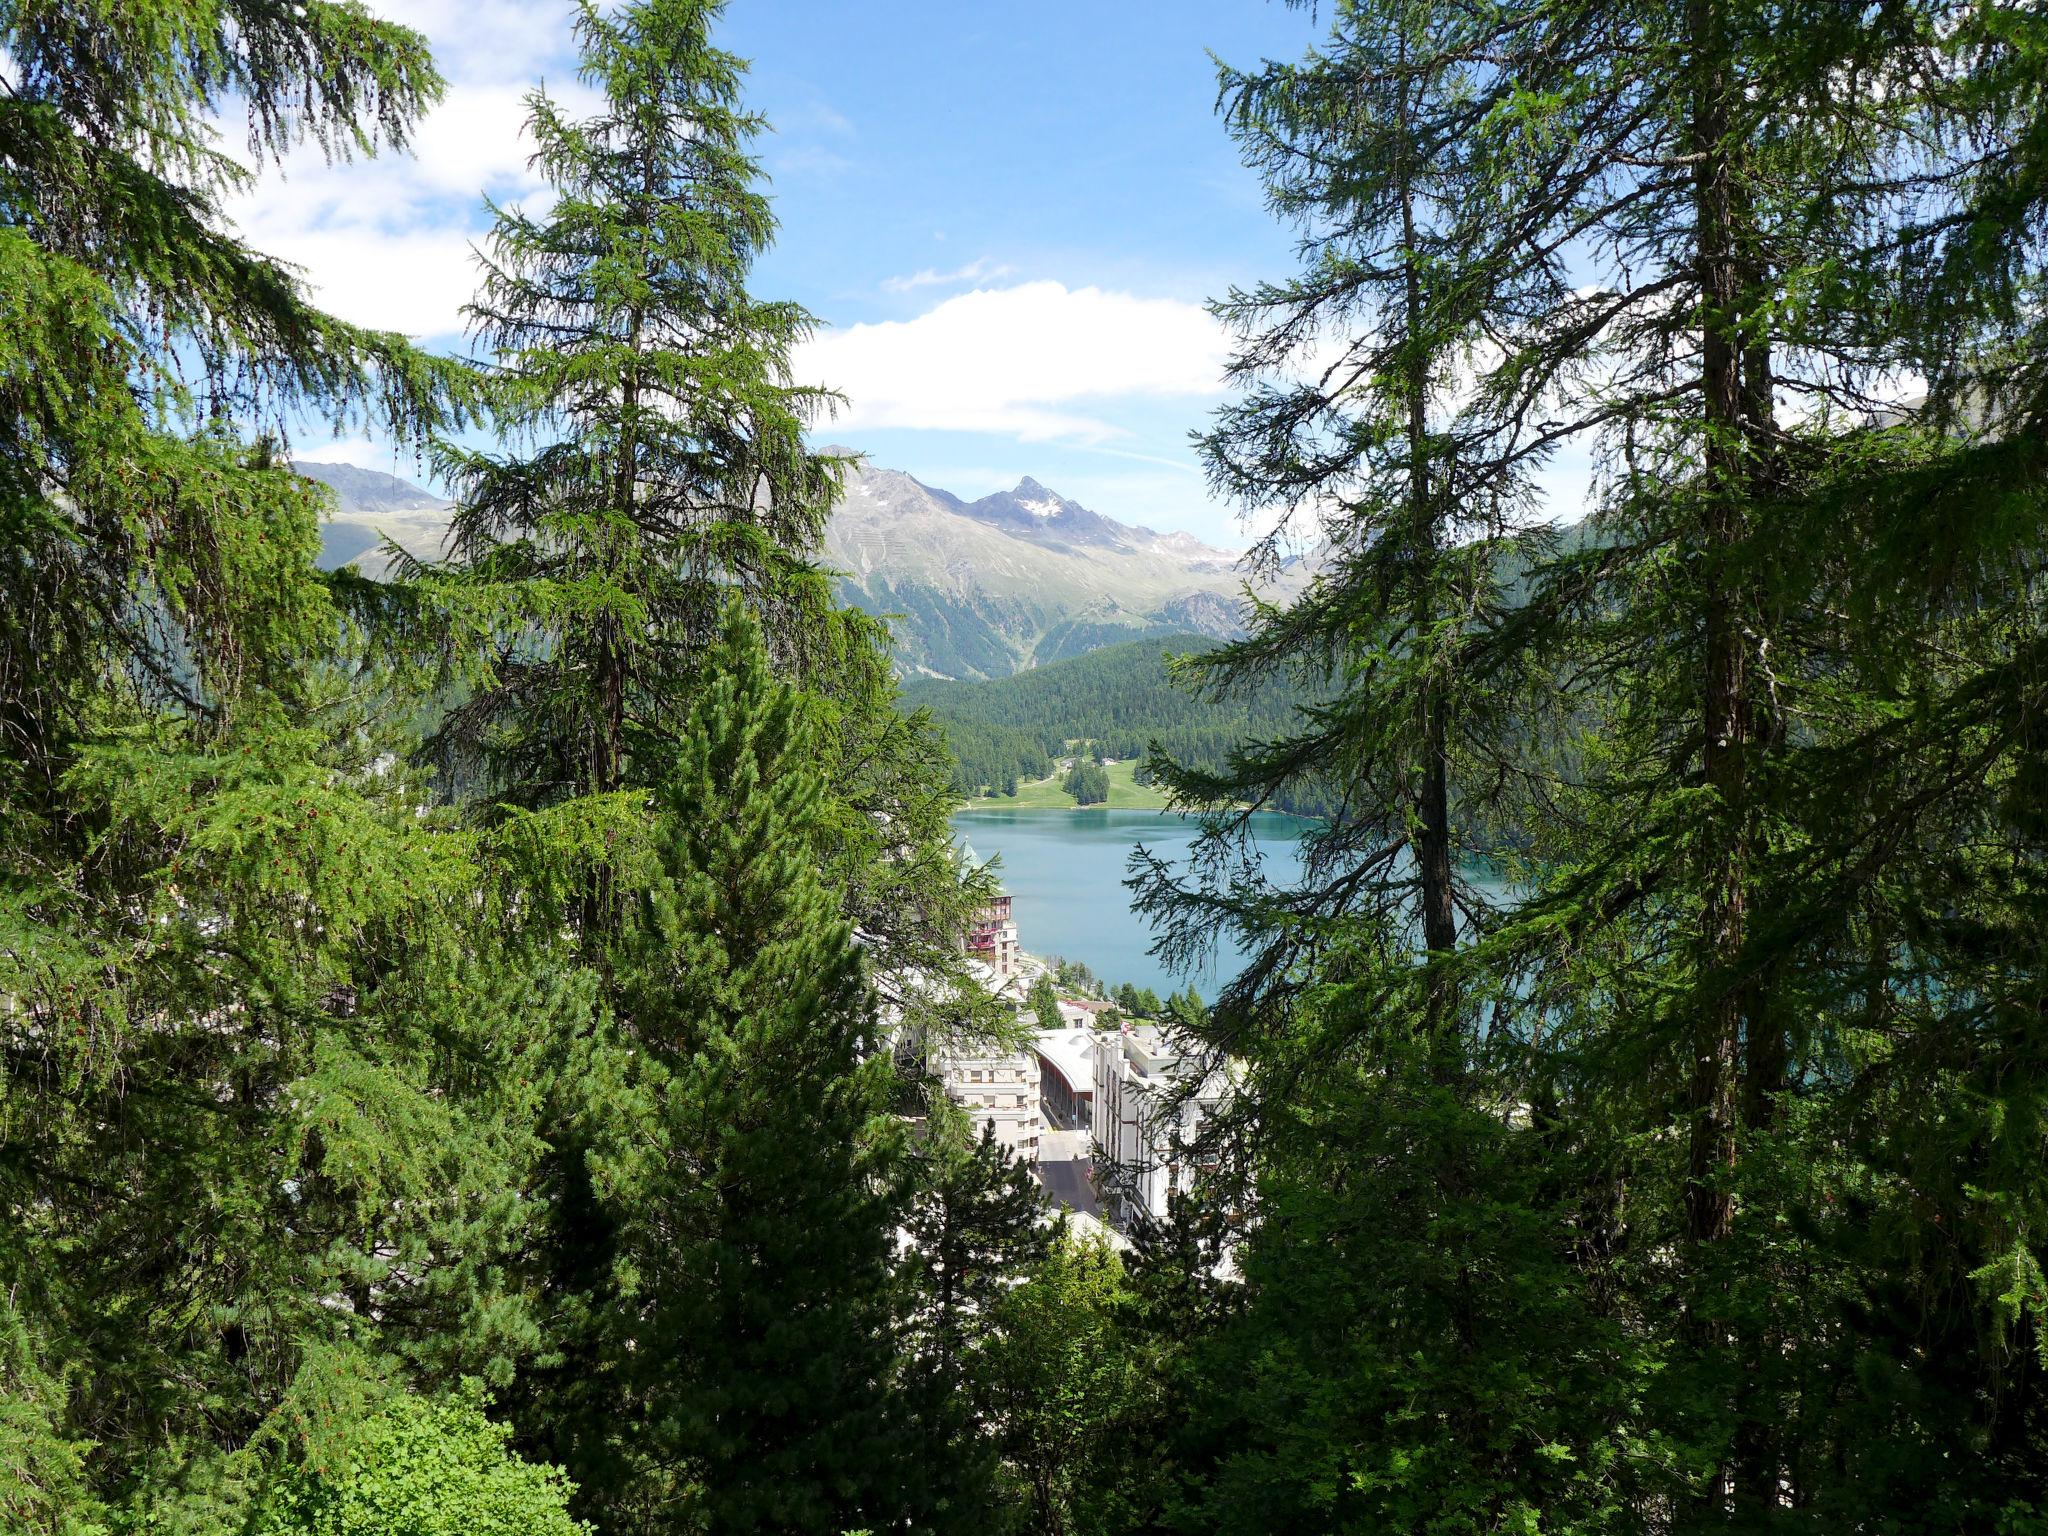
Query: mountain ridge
(973, 589)
(1019, 578)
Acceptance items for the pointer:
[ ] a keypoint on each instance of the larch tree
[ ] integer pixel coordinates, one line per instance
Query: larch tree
(1763, 958)
(1351, 426)
(1410, 1297)
(1722, 204)
(653, 468)
(263, 1103)
(664, 461)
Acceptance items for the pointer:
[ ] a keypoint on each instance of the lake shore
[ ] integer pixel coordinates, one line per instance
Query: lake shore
(1065, 875)
(1125, 794)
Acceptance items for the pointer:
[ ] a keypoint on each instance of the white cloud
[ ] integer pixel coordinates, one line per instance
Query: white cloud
(980, 270)
(817, 114)
(1023, 360)
(363, 453)
(415, 283)
(491, 40)
(387, 242)
(809, 160)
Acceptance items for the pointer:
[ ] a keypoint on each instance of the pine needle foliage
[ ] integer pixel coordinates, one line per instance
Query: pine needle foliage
(756, 1201)
(1753, 760)
(666, 462)
(262, 1104)
(977, 1221)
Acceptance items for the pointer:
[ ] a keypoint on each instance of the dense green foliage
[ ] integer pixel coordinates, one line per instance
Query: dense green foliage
(1121, 699)
(975, 1227)
(421, 1466)
(579, 1052)
(327, 1079)
(750, 1188)
(1682, 1189)
(1086, 782)
(1043, 998)
(263, 1101)
(1060, 1385)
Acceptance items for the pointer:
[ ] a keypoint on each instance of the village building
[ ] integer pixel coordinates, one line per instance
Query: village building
(1066, 1077)
(1074, 1016)
(992, 940)
(1144, 1118)
(999, 1091)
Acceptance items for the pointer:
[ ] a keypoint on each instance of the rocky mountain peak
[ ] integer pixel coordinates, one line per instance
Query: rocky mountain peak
(972, 589)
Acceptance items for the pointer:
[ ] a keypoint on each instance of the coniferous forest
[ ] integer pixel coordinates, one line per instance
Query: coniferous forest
(1121, 699)
(466, 1033)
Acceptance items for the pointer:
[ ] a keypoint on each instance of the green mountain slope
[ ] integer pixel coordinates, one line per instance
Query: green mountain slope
(1118, 698)
(1021, 578)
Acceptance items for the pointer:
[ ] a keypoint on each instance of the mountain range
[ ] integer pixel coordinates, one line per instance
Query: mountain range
(973, 589)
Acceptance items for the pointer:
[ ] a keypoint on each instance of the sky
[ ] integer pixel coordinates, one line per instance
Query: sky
(1006, 217)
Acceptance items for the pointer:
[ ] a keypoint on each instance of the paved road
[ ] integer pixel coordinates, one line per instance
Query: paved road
(1057, 1146)
(1070, 1185)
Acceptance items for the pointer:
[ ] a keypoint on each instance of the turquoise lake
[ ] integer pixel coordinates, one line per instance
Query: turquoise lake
(1065, 871)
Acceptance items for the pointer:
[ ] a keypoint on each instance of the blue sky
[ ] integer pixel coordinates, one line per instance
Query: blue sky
(1007, 216)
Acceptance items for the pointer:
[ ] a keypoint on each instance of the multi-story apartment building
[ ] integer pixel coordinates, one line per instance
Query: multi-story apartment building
(1001, 1092)
(992, 939)
(1144, 1117)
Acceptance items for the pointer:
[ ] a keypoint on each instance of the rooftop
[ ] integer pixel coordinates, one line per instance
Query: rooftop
(1071, 1053)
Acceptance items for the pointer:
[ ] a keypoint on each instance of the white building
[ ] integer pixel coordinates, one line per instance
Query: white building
(999, 1091)
(1143, 1119)
(1082, 1013)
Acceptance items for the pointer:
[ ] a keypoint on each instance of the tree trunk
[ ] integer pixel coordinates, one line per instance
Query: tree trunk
(1732, 374)
(1760, 1463)
(1433, 834)
(1726, 714)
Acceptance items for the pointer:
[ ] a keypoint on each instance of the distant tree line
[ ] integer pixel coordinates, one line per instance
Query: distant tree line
(1121, 700)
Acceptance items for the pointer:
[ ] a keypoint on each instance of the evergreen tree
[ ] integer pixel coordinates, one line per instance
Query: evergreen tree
(1044, 998)
(267, 1094)
(1350, 415)
(976, 1222)
(43, 1487)
(1720, 1007)
(1087, 782)
(756, 1199)
(1742, 188)
(656, 469)
(667, 464)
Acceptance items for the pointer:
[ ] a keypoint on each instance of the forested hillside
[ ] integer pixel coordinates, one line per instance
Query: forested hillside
(1121, 700)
